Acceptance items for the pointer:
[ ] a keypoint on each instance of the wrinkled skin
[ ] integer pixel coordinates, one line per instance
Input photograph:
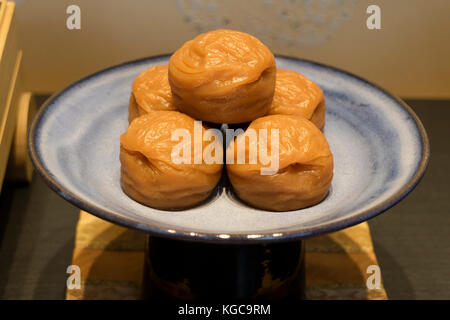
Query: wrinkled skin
(305, 167)
(148, 174)
(297, 95)
(223, 76)
(150, 92)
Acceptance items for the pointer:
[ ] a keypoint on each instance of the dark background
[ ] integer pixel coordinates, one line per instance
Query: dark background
(411, 240)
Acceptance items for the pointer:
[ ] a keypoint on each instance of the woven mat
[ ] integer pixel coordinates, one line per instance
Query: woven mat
(111, 260)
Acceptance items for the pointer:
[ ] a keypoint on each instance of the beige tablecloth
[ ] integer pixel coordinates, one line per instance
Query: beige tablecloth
(111, 260)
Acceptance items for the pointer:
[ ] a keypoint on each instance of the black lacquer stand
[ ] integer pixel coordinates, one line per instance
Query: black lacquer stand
(185, 270)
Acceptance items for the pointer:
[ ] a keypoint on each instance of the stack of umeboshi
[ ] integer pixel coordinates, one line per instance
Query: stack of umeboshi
(225, 77)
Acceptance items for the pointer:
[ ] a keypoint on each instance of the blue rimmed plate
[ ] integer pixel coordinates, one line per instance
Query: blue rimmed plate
(379, 145)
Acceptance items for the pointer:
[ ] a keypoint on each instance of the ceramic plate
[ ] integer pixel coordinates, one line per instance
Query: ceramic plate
(380, 151)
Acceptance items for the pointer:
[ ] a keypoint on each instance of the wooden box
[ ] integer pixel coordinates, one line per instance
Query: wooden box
(14, 103)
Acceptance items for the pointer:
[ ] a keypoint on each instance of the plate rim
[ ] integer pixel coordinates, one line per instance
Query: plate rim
(238, 238)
